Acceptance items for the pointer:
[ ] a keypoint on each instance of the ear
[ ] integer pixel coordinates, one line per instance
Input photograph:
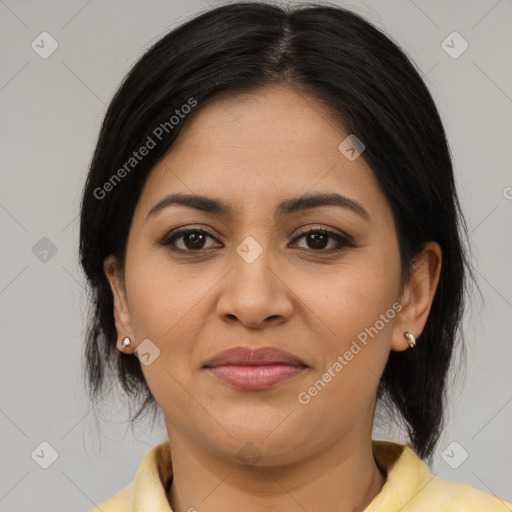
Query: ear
(418, 295)
(114, 274)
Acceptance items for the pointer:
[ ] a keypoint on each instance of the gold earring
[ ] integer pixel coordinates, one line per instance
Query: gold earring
(411, 339)
(126, 342)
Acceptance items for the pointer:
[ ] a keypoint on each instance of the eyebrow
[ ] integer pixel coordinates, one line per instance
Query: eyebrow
(288, 206)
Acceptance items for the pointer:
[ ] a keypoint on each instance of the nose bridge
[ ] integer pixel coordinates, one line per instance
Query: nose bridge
(252, 263)
(254, 291)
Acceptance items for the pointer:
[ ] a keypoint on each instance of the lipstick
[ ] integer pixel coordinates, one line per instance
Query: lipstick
(254, 369)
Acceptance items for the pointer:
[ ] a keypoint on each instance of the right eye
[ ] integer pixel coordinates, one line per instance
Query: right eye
(191, 240)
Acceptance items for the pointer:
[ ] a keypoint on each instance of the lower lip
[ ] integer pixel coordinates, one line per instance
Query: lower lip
(255, 377)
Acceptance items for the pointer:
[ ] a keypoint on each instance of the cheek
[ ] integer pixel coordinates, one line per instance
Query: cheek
(166, 308)
(162, 296)
(353, 296)
(351, 312)
(352, 316)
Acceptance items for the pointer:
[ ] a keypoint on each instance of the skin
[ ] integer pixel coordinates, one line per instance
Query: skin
(252, 151)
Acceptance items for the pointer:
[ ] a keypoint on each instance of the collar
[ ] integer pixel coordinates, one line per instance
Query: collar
(409, 486)
(155, 475)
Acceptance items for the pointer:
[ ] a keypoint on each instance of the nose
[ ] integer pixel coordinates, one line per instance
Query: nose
(255, 294)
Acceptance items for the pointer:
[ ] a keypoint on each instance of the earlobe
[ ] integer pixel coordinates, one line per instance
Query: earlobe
(417, 297)
(121, 313)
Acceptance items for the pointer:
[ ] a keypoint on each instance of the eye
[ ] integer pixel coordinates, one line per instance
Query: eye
(192, 240)
(195, 240)
(318, 240)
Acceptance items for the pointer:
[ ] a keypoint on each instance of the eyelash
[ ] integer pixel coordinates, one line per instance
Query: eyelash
(343, 241)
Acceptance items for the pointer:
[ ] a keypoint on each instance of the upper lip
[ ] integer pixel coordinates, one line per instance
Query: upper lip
(253, 357)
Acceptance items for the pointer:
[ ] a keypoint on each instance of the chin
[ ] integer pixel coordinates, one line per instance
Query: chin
(270, 440)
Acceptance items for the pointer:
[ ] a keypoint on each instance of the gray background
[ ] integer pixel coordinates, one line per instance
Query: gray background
(51, 110)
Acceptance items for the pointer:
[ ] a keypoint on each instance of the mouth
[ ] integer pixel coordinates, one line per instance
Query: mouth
(255, 369)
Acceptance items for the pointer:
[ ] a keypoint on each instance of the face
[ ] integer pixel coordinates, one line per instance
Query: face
(255, 268)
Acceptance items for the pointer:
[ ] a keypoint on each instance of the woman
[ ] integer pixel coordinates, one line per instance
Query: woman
(274, 243)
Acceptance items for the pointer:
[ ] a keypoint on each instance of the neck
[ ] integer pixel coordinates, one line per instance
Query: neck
(343, 477)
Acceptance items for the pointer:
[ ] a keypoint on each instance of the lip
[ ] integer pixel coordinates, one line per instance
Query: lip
(254, 369)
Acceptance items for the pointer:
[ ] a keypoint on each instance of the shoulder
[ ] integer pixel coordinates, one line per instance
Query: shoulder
(411, 487)
(444, 495)
(121, 501)
(148, 490)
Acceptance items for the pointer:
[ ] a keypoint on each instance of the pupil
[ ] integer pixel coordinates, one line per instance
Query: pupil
(317, 239)
(195, 240)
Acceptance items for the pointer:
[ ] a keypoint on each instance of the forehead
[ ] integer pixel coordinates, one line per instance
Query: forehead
(264, 120)
(259, 147)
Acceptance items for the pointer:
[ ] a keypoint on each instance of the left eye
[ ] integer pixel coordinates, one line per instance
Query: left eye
(318, 239)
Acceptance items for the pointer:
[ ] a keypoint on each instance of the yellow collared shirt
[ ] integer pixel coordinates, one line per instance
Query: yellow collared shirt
(409, 487)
